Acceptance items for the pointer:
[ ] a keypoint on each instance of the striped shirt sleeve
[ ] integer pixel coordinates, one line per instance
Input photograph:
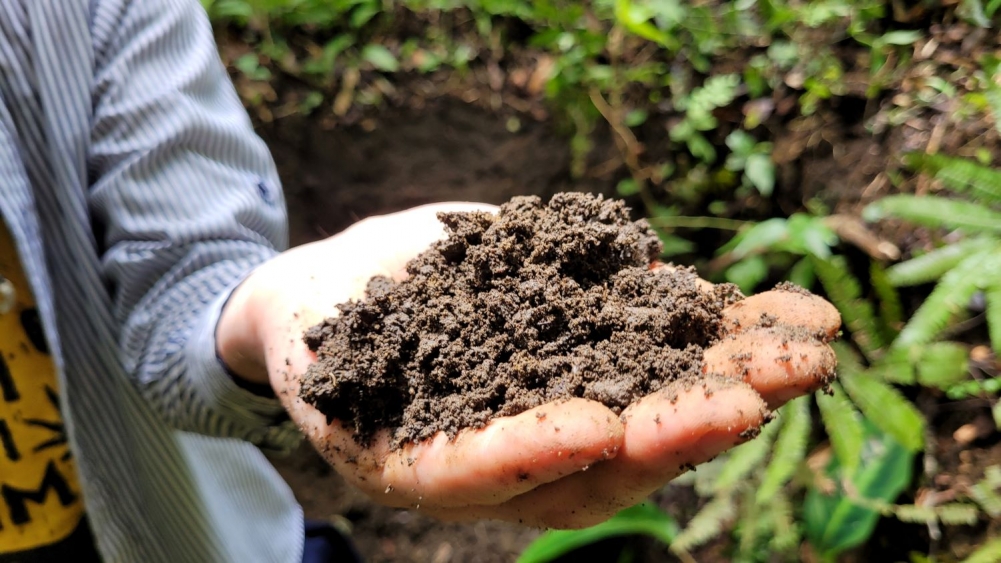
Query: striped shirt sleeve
(186, 202)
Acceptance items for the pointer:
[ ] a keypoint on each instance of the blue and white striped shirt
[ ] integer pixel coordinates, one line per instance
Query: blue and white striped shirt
(138, 195)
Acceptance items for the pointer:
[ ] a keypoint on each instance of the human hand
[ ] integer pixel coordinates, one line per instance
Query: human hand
(563, 465)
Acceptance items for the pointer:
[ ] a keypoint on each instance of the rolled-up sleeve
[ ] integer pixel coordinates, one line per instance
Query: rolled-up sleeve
(186, 202)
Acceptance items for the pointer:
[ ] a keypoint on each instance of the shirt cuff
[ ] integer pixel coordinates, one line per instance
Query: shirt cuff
(260, 419)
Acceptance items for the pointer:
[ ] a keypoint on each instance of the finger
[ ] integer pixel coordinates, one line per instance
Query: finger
(420, 225)
(799, 309)
(779, 362)
(510, 456)
(666, 434)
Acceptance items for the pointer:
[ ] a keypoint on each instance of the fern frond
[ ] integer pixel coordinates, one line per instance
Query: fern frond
(950, 296)
(707, 524)
(931, 266)
(897, 366)
(746, 457)
(915, 514)
(787, 531)
(790, 447)
(891, 312)
(981, 182)
(845, 292)
(843, 424)
(992, 476)
(943, 364)
(750, 527)
(990, 552)
(986, 492)
(953, 514)
(936, 211)
(993, 295)
(880, 403)
(957, 514)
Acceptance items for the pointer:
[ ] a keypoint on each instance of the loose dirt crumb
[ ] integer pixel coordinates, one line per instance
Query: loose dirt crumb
(534, 304)
(790, 287)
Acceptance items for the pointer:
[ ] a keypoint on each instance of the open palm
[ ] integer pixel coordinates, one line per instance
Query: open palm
(564, 465)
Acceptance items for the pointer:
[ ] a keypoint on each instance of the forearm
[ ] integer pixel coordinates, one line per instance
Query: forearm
(189, 203)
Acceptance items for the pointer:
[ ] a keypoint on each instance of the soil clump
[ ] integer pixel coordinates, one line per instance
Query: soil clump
(536, 303)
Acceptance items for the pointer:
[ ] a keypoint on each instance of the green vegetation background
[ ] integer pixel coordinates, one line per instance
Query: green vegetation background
(705, 102)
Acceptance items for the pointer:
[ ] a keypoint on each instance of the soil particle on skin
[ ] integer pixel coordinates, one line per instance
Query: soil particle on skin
(534, 304)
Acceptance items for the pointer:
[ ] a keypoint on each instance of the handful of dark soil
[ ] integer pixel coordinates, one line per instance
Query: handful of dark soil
(534, 304)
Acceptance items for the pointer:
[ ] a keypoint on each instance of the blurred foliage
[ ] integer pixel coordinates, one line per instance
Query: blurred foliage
(708, 84)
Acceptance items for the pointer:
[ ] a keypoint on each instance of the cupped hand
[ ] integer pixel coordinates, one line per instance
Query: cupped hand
(563, 465)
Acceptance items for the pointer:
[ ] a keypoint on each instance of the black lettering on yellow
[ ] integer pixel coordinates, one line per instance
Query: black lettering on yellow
(32, 325)
(17, 499)
(7, 441)
(7, 387)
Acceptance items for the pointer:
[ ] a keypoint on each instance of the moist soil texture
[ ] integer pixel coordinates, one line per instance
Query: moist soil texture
(533, 304)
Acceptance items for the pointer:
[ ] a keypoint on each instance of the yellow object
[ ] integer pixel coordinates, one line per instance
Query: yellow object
(40, 501)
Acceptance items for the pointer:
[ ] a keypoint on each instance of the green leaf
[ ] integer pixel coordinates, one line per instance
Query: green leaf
(790, 448)
(837, 522)
(993, 295)
(627, 187)
(933, 265)
(740, 142)
(943, 364)
(843, 424)
(747, 273)
(880, 403)
(900, 37)
(802, 273)
(674, 245)
(380, 57)
(936, 211)
(809, 235)
(760, 170)
(239, 10)
(990, 552)
(362, 14)
(636, 117)
(760, 237)
(644, 518)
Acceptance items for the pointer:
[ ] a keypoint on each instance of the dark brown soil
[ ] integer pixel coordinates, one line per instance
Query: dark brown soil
(513, 310)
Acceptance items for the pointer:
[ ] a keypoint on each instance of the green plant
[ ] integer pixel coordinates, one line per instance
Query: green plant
(642, 519)
(961, 269)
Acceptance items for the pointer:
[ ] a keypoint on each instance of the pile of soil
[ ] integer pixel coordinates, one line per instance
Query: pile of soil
(513, 310)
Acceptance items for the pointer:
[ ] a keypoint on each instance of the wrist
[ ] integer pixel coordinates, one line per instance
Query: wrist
(239, 344)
